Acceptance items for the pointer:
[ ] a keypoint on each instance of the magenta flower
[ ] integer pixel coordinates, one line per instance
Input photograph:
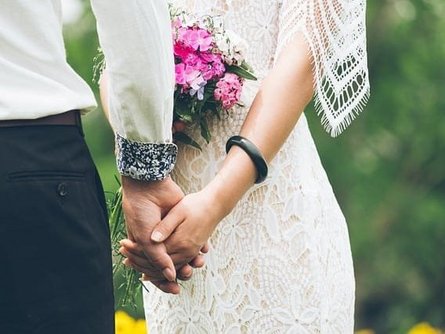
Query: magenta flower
(203, 54)
(194, 60)
(214, 67)
(180, 74)
(181, 50)
(190, 79)
(228, 90)
(196, 38)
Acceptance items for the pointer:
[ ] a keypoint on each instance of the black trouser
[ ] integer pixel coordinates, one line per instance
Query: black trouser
(55, 254)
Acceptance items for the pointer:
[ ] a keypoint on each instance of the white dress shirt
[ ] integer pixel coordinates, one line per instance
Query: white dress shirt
(135, 35)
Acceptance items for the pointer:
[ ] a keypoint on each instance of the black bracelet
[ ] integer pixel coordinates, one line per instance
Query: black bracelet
(253, 152)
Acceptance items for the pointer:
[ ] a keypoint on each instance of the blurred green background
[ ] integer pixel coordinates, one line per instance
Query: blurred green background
(388, 169)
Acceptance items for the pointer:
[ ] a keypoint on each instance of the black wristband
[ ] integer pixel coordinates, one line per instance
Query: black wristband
(253, 152)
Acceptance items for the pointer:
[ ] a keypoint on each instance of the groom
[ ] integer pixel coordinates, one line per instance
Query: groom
(56, 259)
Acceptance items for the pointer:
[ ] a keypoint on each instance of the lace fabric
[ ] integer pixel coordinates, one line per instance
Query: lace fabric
(281, 261)
(336, 33)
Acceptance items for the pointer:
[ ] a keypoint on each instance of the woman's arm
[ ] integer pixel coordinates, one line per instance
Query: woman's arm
(103, 89)
(283, 95)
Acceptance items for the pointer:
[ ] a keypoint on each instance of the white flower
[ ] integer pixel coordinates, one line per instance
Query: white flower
(237, 43)
(238, 47)
(223, 43)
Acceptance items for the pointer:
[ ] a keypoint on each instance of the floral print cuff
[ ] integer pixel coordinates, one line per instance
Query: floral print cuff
(145, 161)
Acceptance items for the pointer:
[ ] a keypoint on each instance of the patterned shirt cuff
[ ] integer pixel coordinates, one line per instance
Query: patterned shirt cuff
(145, 161)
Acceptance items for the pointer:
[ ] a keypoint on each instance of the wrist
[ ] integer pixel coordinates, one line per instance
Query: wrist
(129, 182)
(233, 180)
(220, 204)
(163, 193)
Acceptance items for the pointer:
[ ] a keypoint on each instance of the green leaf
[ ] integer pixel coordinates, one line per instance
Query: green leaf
(183, 138)
(241, 72)
(131, 284)
(183, 115)
(205, 132)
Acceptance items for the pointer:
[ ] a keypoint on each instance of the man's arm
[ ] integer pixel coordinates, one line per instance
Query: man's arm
(135, 36)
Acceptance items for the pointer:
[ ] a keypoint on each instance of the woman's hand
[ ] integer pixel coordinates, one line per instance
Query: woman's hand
(188, 226)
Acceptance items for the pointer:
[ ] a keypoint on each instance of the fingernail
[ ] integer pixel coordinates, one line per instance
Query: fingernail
(157, 236)
(169, 275)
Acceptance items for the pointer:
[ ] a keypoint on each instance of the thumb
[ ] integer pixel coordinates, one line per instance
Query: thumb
(167, 225)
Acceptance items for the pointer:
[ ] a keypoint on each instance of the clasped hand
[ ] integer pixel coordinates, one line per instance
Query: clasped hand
(167, 232)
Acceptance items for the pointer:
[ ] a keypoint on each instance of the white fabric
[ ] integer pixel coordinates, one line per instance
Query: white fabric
(281, 261)
(36, 81)
(336, 32)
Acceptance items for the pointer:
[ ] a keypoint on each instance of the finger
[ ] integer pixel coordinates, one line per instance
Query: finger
(168, 287)
(185, 272)
(140, 261)
(154, 274)
(166, 227)
(205, 249)
(132, 247)
(128, 253)
(197, 262)
(181, 259)
(158, 258)
(165, 286)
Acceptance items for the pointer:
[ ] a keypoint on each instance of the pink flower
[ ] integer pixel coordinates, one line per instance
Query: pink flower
(190, 79)
(218, 66)
(181, 50)
(194, 60)
(196, 38)
(180, 74)
(176, 23)
(214, 67)
(228, 90)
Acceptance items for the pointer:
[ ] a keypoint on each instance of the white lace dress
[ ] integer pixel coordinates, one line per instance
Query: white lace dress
(281, 261)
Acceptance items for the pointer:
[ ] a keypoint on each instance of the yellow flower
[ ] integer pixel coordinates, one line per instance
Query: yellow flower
(124, 323)
(365, 331)
(127, 325)
(423, 328)
(139, 327)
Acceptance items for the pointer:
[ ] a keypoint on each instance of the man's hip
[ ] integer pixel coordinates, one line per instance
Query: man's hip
(56, 271)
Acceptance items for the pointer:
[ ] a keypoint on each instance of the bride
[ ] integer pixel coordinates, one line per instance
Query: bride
(280, 259)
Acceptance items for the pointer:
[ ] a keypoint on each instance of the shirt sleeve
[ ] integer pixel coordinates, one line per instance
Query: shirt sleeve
(135, 36)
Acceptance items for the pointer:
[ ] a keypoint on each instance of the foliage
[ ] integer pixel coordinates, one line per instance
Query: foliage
(126, 280)
(387, 169)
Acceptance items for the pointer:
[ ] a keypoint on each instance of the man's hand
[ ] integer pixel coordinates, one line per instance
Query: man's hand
(144, 205)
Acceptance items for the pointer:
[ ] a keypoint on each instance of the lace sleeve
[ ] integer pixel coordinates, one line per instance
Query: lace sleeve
(336, 34)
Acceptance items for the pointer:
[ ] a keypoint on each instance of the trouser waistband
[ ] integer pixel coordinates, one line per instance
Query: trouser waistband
(71, 117)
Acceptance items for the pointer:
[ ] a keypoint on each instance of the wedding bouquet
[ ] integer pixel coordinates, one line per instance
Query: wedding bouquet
(210, 71)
